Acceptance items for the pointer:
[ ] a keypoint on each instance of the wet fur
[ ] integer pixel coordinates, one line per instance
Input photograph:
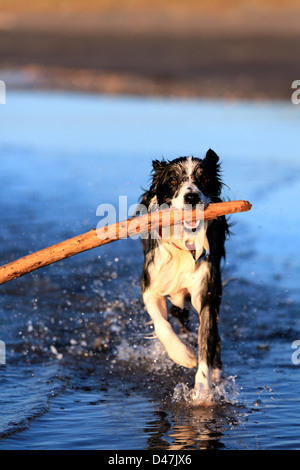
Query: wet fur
(170, 272)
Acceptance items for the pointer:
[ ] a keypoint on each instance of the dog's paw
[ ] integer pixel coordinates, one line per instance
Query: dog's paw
(182, 355)
(177, 351)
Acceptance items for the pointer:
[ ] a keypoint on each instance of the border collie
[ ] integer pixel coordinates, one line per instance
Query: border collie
(186, 270)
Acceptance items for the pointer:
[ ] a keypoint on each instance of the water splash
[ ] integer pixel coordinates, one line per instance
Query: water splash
(151, 355)
(225, 392)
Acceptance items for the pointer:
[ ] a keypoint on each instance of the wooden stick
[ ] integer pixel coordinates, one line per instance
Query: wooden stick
(111, 233)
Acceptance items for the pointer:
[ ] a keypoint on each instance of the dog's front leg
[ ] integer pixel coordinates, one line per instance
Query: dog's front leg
(209, 363)
(177, 351)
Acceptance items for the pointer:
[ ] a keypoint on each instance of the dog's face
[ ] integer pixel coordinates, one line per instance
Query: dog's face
(187, 181)
(184, 183)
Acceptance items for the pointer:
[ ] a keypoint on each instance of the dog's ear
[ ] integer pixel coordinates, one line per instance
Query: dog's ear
(212, 166)
(211, 158)
(158, 165)
(157, 172)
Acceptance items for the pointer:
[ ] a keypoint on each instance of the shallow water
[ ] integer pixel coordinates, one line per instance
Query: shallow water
(80, 372)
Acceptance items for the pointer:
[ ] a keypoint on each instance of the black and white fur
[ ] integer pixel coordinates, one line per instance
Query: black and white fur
(173, 272)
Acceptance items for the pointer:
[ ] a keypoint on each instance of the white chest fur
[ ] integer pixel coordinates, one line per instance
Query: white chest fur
(175, 274)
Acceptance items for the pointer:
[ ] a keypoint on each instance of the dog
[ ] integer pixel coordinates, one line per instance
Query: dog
(187, 269)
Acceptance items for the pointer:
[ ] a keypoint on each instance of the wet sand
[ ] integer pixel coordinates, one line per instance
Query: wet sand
(237, 53)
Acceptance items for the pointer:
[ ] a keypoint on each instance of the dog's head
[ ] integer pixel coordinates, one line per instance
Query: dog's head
(186, 182)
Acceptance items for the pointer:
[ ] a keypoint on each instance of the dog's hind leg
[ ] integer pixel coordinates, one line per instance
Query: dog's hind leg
(177, 351)
(182, 315)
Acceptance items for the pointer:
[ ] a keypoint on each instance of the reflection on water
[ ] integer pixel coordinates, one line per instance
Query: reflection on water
(80, 370)
(204, 429)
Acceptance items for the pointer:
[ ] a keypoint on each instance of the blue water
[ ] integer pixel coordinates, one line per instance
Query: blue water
(61, 156)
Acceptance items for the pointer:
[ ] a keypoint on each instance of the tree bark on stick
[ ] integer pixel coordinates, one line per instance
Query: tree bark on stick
(102, 236)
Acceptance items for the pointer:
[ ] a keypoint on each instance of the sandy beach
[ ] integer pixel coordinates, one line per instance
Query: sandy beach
(246, 50)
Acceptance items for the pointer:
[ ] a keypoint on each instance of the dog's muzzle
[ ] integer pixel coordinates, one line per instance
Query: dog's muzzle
(192, 199)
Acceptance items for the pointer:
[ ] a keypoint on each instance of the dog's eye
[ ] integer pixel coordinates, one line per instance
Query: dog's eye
(203, 180)
(174, 181)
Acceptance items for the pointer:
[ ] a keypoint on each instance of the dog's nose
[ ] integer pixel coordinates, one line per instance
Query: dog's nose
(192, 198)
